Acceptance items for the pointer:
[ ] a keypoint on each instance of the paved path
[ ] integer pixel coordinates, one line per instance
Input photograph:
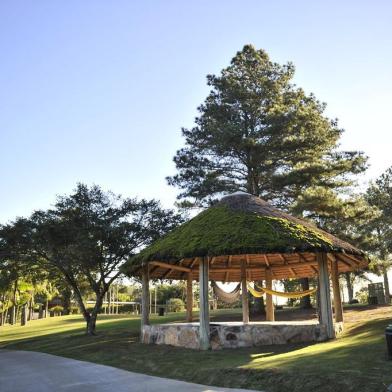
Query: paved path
(27, 371)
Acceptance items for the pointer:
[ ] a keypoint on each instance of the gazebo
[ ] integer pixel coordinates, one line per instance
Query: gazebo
(242, 238)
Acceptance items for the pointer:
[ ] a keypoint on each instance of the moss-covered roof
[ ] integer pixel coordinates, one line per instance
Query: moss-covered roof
(240, 224)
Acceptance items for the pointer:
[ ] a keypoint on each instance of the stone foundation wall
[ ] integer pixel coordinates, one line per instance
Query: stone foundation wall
(233, 335)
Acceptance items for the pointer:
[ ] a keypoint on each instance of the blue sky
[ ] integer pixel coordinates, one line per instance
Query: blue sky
(97, 91)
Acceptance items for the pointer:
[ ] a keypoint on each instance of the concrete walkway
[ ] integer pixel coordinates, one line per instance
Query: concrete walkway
(22, 371)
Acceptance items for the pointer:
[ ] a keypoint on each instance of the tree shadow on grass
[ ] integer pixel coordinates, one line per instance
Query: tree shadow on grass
(354, 363)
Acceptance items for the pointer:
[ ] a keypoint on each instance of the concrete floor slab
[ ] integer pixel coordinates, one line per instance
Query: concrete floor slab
(22, 371)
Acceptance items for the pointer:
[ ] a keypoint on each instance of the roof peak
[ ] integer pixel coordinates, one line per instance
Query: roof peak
(238, 193)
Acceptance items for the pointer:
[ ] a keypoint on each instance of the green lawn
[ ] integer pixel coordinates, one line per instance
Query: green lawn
(356, 362)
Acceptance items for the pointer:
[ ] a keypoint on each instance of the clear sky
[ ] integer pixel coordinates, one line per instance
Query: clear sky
(97, 91)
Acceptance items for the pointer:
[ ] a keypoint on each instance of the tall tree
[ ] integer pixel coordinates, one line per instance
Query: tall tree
(345, 217)
(259, 133)
(88, 235)
(379, 195)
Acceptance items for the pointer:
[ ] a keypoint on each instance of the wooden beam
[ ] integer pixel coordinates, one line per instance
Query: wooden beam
(204, 334)
(314, 269)
(153, 269)
(325, 308)
(353, 259)
(170, 266)
(348, 264)
(302, 257)
(245, 299)
(228, 265)
(167, 273)
(145, 299)
(273, 268)
(189, 298)
(193, 262)
(337, 300)
(270, 314)
(292, 271)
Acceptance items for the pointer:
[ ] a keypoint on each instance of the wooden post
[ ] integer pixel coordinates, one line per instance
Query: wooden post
(189, 298)
(337, 300)
(150, 303)
(110, 300)
(244, 289)
(325, 309)
(145, 319)
(204, 305)
(270, 314)
(155, 299)
(386, 287)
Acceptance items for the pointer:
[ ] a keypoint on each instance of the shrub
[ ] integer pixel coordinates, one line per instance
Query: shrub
(56, 310)
(74, 310)
(37, 306)
(175, 305)
(362, 295)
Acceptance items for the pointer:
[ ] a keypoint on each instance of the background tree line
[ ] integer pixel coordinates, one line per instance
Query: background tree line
(259, 133)
(256, 132)
(83, 241)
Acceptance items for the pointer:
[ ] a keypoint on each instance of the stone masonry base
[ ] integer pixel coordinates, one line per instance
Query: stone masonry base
(236, 334)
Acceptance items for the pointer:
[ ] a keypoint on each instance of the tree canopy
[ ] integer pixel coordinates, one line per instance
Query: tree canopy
(258, 132)
(87, 236)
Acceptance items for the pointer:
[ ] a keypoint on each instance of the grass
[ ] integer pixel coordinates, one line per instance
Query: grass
(355, 362)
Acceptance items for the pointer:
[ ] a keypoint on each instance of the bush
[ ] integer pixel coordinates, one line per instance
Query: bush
(362, 295)
(37, 306)
(56, 310)
(74, 310)
(175, 305)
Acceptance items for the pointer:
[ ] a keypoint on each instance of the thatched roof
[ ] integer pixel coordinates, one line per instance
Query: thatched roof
(245, 227)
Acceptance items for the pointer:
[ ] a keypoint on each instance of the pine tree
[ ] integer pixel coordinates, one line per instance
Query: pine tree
(259, 133)
(379, 195)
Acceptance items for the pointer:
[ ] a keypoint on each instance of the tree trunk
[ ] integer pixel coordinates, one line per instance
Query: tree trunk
(305, 302)
(350, 288)
(23, 317)
(92, 319)
(5, 317)
(66, 294)
(46, 308)
(31, 309)
(13, 315)
(259, 306)
(91, 324)
(105, 308)
(386, 287)
(17, 313)
(13, 311)
(110, 301)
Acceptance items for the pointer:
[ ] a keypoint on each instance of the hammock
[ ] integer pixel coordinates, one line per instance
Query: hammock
(295, 294)
(228, 298)
(255, 293)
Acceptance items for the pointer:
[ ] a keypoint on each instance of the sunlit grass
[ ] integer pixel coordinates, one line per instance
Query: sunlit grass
(355, 362)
